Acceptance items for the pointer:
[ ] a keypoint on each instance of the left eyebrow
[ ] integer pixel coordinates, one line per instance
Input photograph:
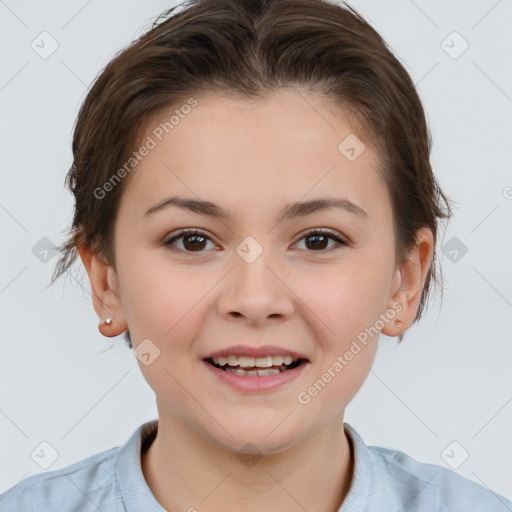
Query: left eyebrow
(296, 209)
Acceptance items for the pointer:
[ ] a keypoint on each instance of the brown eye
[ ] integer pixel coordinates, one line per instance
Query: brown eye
(196, 241)
(319, 239)
(193, 241)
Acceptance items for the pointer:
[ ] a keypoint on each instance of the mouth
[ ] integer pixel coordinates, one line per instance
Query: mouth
(254, 370)
(256, 367)
(250, 377)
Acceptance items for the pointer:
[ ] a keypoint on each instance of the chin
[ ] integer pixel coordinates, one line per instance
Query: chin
(258, 437)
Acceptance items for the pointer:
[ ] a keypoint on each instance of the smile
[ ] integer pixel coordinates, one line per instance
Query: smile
(247, 375)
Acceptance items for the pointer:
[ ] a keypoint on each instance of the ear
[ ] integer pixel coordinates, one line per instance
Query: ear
(408, 283)
(105, 293)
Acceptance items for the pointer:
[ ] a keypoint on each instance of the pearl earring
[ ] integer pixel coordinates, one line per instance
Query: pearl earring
(108, 321)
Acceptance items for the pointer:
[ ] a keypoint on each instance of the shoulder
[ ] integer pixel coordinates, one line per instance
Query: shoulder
(78, 487)
(421, 482)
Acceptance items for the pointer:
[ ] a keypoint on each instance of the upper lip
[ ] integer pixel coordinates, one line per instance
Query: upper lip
(261, 351)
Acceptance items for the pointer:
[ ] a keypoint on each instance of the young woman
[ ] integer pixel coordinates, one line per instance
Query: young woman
(254, 205)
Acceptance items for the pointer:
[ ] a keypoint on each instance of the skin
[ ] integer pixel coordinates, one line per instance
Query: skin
(252, 158)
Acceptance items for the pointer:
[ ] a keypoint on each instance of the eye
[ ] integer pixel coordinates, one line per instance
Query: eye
(195, 240)
(319, 238)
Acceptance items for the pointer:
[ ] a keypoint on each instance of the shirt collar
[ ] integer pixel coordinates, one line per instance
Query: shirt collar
(362, 483)
(138, 496)
(135, 491)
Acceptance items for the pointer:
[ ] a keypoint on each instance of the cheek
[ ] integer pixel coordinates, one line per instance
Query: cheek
(345, 298)
(155, 296)
(343, 305)
(343, 312)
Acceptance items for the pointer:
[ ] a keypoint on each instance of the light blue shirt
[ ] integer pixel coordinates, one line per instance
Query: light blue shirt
(384, 480)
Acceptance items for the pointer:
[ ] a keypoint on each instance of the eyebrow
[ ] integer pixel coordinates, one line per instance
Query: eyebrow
(296, 209)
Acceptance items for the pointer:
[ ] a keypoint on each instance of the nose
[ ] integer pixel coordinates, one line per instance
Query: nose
(255, 291)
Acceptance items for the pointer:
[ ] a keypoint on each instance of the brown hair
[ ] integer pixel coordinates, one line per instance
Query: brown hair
(252, 48)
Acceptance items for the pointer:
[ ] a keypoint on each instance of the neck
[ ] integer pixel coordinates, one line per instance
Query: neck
(185, 469)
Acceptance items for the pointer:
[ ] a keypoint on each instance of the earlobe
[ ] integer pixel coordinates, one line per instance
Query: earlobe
(411, 278)
(104, 288)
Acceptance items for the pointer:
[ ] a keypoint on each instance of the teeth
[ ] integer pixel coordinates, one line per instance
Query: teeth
(253, 373)
(251, 362)
(232, 361)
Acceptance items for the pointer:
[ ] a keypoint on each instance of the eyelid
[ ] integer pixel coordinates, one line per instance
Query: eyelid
(323, 231)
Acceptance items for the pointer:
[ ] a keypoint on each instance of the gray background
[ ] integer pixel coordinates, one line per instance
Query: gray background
(450, 378)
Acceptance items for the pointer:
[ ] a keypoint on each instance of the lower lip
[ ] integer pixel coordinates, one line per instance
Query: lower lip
(256, 384)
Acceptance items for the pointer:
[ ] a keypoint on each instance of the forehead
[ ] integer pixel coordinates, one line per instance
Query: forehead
(231, 150)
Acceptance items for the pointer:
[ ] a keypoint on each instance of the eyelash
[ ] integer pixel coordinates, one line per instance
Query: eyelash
(193, 232)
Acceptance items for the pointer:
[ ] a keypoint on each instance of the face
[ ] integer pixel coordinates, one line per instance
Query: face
(252, 277)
